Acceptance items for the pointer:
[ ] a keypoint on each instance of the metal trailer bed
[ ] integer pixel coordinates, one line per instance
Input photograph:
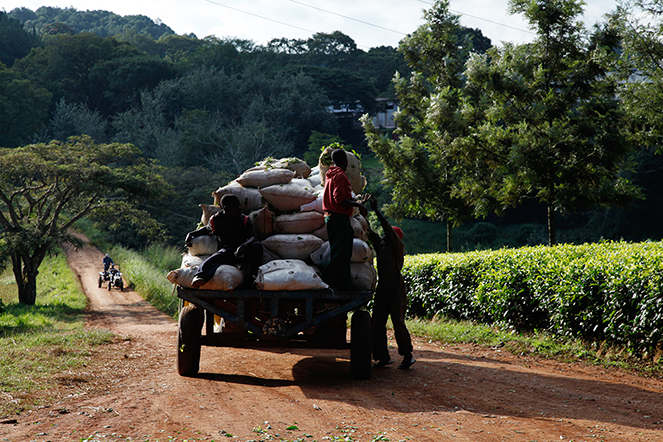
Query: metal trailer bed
(255, 318)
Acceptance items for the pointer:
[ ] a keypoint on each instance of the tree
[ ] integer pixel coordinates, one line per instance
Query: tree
(638, 31)
(46, 188)
(14, 41)
(85, 68)
(23, 108)
(553, 120)
(421, 165)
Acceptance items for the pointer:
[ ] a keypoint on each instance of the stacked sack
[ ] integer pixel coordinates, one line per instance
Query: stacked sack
(283, 199)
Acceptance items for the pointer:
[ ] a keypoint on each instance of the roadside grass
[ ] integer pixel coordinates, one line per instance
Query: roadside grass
(146, 272)
(45, 339)
(540, 344)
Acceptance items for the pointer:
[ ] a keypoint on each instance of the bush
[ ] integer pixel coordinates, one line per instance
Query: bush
(608, 292)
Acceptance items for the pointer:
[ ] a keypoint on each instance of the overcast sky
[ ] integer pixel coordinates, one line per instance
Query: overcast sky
(369, 23)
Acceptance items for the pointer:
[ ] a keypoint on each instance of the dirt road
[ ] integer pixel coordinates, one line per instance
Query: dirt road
(463, 393)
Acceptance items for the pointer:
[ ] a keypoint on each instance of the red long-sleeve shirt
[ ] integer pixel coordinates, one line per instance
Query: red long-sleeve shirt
(337, 190)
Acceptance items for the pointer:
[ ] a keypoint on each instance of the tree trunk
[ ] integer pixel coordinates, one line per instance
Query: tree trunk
(552, 226)
(450, 247)
(25, 273)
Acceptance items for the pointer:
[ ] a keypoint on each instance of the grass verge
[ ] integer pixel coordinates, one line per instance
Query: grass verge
(45, 339)
(146, 273)
(449, 332)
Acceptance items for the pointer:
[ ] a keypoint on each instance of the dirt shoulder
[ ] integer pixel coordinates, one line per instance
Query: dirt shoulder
(131, 391)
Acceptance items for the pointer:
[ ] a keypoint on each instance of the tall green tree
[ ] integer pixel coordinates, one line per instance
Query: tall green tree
(23, 108)
(421, 165)
(553, 120)
(15, 42)
(638, 30)
(46, 188)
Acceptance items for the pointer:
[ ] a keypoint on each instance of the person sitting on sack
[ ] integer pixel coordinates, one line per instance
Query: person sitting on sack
(237, 243)
(390, 296)
(338, 205)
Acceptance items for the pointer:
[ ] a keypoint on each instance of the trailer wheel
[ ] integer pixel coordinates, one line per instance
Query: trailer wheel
(188, 340)
(360, 345)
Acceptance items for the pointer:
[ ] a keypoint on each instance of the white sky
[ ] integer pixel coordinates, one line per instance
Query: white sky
(369, 23)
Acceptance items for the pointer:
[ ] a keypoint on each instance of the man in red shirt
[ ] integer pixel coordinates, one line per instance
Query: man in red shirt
(338, 205)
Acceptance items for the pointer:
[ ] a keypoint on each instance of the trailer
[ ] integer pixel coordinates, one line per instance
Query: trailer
(283, 319)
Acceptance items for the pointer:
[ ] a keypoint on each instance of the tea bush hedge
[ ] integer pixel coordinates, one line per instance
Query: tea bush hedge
(609, 291)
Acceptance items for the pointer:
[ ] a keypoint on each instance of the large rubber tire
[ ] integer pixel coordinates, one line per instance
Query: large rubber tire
(110, 284)
(121, 285)
(101, 281)
(188, 340)
(361, 345)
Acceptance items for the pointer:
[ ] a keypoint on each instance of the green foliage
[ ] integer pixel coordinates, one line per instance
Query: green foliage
(15, 42)
(101, 23)
(23, 108)
(46, 188)
(317, 143)
(605, 292)
(553, 126)
(421, 166)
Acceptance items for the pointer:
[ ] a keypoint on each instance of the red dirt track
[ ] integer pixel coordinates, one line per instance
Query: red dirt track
(131, 391)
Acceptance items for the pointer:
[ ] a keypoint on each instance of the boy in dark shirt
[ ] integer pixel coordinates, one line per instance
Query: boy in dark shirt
(237, 242)
(338, 205)
(390, 296)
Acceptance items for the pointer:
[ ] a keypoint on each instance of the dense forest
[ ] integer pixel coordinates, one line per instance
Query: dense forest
(205, 109)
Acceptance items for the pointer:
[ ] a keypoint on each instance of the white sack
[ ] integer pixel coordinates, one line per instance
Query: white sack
(203, 245)
(301, 169)
(303, 182)
(265, 177)
(322, 233)
(249, 198)
(208, 211)
(359, 228)
(288, 274)
(263, 222)
(302, 222)
(268, 255)
(225, 278)
(353, 171)
(313, 205)
(292, 246)
(315, 180)
(287, 197)
(191, 261)
(361, 252)
(363, 275)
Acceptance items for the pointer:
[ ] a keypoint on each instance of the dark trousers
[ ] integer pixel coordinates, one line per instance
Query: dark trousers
(250, 261)
(337, 272)
(390, 301)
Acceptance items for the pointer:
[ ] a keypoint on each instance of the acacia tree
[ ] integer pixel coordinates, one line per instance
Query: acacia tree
(46, 188)
(553, 116)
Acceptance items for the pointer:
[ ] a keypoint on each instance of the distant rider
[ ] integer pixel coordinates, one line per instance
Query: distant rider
(107, 262)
